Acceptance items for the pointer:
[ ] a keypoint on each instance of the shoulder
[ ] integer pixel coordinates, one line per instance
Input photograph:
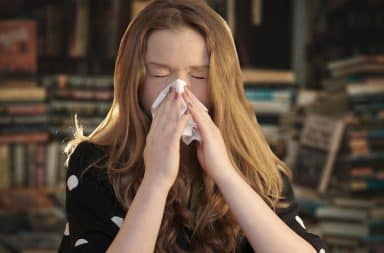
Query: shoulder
(88, 185)
(287, 193)
(93, 213)
(87, 157)
(84, 153)
(287, 205)
(86, 171)
(289, 212)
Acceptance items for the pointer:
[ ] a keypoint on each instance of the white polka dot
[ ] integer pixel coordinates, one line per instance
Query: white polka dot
(66, 231)
(322, 251)
(300, 221)
(80, 242)
(72, 182)
(117, 220)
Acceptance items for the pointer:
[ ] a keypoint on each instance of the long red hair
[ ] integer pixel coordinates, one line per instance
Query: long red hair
(124, 131)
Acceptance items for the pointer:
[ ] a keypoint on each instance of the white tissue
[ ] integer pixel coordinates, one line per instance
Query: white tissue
(190, 132)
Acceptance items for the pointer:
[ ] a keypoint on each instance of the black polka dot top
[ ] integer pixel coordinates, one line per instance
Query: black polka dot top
(94, 216)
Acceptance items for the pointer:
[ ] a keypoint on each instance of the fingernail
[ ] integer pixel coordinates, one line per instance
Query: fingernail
(171, 91)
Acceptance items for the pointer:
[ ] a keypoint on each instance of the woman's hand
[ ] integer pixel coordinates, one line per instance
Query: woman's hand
(211, 152)
(162, 148)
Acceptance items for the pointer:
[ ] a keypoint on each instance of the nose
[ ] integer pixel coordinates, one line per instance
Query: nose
(183, 76)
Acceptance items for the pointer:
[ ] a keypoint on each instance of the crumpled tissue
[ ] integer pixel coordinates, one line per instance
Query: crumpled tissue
(190, 132)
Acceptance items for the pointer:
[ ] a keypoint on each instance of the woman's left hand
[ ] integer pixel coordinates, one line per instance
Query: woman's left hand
(211, 152)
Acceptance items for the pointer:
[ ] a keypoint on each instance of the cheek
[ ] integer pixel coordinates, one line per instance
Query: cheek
(145, 97)
(149, 92)
(202, 93)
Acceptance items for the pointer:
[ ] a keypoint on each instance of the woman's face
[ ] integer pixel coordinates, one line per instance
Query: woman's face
(175, 54)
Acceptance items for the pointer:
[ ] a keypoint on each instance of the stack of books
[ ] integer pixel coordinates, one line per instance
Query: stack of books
(89, 97)
(352, 224)
(271, 94)
(364, 138)
(352, 177)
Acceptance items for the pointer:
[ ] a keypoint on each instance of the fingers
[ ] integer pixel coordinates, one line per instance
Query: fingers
(174, 109)
(195, 108)
(167, 115)
(202, 118)
(165, 104)
(166, 101)
(171, 109)
(182, 122)
(195, 102)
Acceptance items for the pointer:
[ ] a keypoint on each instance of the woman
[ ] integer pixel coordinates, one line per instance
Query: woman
(133, 186)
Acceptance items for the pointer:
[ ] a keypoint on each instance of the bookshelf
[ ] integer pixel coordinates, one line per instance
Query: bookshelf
(344, 81)
(49, 71)
(272, 94)
(63, 65)
(254, 76)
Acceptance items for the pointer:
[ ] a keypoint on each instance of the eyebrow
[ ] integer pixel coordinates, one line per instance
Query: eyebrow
(166, 66)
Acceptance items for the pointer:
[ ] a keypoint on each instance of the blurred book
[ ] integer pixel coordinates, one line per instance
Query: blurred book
(90, 97)
(36, 164)
(79, 32)
(18, 42)
(252, 76)
(271, 95)
(357, 65)
(318, 149)
(353, 220)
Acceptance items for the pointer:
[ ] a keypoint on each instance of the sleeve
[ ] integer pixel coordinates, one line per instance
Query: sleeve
(290, 215)
(93, 214)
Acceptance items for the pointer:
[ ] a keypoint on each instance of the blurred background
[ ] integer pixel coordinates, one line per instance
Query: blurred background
(313, 71)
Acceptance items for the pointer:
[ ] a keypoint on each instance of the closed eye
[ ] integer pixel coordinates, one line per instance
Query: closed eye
(159, 76)
(199, 77)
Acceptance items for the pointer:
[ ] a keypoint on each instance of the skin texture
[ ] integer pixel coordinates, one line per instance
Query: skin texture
(179, 50)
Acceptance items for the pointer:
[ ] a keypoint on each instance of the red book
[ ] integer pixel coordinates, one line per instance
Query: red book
(18, 46)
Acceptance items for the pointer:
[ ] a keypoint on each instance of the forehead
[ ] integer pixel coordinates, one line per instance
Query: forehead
(181, 47)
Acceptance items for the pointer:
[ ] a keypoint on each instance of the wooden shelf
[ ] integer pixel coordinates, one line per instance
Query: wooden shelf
(253, 76)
